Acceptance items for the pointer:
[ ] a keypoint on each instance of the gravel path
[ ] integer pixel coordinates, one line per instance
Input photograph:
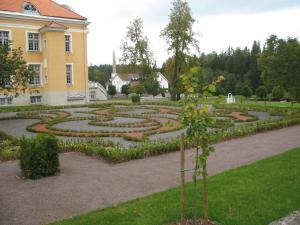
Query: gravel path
(86, 183)
(17, 127)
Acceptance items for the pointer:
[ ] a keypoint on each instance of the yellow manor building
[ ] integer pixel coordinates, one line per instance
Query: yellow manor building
(54, 42)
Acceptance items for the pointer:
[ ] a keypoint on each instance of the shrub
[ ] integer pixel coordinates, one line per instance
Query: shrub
(246, 91)
(111, 90)
(261, 92)
(277, 93)
(39, 156)
(135, 99)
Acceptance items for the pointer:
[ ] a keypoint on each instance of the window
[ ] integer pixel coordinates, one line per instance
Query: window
(33, 41)
(69, 74)
(92, 94)
(30, 9)
(68, 43)
(35, 99)
(35, 79)
(9, 101)
(2, 101)
(6, 81)
(4, 37)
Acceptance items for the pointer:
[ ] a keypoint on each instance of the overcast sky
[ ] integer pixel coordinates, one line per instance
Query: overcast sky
(220, 23)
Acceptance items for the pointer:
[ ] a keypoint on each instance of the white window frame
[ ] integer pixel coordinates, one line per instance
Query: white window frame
(92, 94)
(36, 96)
(30, 12)
(9, 33)
(2, 101)
(72, 74)
(71, 49)
(41, 72)
(27, 39)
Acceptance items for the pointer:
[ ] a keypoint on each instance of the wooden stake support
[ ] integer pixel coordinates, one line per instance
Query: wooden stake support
(182, 181)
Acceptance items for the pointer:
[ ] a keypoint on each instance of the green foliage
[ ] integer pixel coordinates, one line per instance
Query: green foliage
(39, 156)
(111, 90)
(135, 99)
(135, 49)
(277, 93)
(246, 91)
(279, 63)
(137, 88)
(261, 92)
(101, 73)
(180, 38)
(125, 89)
(151, 85)
(14, 73)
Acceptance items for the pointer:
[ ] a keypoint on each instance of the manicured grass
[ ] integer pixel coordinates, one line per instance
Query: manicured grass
(250, 195)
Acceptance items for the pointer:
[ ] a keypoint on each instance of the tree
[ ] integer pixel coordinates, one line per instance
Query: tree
(152, 85)
(261, 92)
(198, 122)
(179, 36)
(14, 72)
(277, 93)
(246, 91)
(137, 88)
(111, 90)
(125, 89)
(279, 63)
(135, 49)
(254, 72)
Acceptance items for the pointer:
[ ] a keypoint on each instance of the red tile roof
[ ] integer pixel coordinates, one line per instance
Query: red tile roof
(45, 8)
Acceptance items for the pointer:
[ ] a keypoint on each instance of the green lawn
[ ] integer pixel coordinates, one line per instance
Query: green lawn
(250, 195)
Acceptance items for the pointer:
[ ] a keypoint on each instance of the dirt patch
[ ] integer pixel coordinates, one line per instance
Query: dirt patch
(135, 135)
(40, 127)
(240, 117)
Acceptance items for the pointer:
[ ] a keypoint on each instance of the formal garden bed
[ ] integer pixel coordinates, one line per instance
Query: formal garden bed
(133, 131)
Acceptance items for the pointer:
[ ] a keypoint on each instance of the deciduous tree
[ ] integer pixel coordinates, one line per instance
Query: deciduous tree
(180, 38)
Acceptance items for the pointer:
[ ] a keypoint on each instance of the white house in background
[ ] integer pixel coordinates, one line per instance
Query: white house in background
(118, 80)
(162, 80)
(97, 91)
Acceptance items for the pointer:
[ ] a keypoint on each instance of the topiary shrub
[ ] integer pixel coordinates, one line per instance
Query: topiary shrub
(246, 91)
(135, 99)
(261, 92)
(277, 93)
(39, 156)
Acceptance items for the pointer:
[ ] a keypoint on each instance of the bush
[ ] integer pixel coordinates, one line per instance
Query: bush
(135, 99)
(261, 92)
(246, 91)
(277, 93)
(111, 90)
(39, 156)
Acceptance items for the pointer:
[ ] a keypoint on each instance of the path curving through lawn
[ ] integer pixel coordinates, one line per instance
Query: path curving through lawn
(86, 184)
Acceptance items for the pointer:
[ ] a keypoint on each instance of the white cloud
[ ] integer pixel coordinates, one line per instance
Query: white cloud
(110, 18)
(220, 32)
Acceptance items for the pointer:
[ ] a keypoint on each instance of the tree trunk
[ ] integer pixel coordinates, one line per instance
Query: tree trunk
(205, 194)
